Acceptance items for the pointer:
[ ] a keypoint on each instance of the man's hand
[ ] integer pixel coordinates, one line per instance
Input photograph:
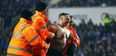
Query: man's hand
(51, 35)
(46, 47)
(77, 42)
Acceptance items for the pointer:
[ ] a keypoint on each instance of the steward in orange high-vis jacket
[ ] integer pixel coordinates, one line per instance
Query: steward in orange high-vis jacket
(39, 22)
(24, 37)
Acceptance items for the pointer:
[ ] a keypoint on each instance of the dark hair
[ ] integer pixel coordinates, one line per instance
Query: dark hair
(71, 17)
(107, 15)
(26, 14)
(63, 14)
(41, 6)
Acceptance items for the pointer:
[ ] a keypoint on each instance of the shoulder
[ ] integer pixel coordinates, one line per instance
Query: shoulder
(29, 28)
(53, 28)
(37, 17)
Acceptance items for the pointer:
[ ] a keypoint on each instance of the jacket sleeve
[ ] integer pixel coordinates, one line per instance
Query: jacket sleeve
(53, 28)
(40, 26)
(76, 39)
(33, 37)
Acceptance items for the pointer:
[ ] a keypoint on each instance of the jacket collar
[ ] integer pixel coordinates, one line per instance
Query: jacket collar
(24, 20)
(37, 13)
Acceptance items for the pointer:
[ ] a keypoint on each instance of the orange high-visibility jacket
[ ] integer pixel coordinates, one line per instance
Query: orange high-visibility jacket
(24, 38)
(39, 23)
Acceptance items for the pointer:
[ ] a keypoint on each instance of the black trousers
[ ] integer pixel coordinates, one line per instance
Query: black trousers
(70, 49)
(54, 52)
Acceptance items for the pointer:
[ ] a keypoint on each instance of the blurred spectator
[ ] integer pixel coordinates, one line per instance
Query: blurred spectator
(0, 43)
(54, 3)
(64, 3)
(107, 21)
(1, 23)
(91, 3)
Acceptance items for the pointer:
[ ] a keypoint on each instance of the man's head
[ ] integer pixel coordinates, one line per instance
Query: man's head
(26, 14)
(70, 21)
(41, 7)
(64, 18)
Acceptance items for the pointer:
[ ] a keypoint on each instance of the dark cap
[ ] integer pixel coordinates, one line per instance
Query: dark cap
(41, 6)
(26, 14)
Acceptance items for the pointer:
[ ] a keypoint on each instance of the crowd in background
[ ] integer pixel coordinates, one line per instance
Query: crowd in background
(81, 3)
(96, 40)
